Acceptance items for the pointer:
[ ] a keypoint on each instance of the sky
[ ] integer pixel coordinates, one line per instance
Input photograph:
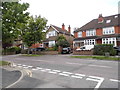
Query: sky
(75, 13)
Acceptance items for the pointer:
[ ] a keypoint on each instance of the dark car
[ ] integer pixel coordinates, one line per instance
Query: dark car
(66, 50)
(118, 50)
(38, 49)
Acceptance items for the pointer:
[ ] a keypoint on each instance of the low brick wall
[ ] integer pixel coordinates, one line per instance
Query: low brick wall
(9, 53)
(45, 52)
(85, 52)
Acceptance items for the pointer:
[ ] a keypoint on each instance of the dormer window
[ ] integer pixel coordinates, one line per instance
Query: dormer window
(108, 21)
(116, 17)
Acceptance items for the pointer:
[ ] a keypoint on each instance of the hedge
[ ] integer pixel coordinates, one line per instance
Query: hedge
(104, 48)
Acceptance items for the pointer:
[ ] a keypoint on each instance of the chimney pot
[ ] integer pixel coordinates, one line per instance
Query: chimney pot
(100, 18)
(69, 29)
(63, 26)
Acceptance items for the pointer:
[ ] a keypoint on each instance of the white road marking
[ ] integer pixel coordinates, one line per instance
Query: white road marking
(97, 79)
(39, 68)
(30, 66)
(24, 65)
(76, 76)
(63, 74)
(114, 80)
(100, 66)
(19, 66)
(56, 70)
(67, 72)
(34, 69)
(75, 63)
(80, 74)
(52, 72)
(43, 70)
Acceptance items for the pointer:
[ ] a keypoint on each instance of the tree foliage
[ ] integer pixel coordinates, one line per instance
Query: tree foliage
(34, 33)
(61, 41)
(13, 17)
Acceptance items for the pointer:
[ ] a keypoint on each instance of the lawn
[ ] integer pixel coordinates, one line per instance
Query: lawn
(2, 63)
(31, 55)
(97, 57)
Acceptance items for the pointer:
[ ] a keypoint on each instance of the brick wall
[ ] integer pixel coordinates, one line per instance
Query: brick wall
(86, 52)
(46, 52)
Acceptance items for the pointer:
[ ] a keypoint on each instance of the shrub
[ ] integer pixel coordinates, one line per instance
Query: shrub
(104, 48)
(12, 49)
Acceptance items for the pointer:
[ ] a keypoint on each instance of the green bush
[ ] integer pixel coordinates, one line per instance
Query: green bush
(12, 49)
(104, 48)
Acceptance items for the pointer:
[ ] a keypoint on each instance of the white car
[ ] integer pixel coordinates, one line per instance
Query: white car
(86, 47)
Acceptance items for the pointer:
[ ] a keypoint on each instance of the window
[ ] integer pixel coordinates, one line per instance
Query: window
(79, 34)
(51, 33)
(108, 21)
(51, 43)
(108, 30)
(109, 41)
(91, 32)
(89, 42)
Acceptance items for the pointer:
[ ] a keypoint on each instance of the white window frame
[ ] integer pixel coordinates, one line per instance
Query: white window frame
(109, 41)
(51, 43)
(51, 33)
(89, 42)
(91, 32)
(108, 30)
(80, 34)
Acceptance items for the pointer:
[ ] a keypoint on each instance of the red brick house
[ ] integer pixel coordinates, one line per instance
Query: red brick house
(103, 30)
(54, 32)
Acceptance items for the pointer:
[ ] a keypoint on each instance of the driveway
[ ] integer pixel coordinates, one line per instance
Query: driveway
(61, 71)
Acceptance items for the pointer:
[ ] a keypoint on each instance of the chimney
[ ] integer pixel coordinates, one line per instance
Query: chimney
(100, 18)
(69, 29)
(63, 26)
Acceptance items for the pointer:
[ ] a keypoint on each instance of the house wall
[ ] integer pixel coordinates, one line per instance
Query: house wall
(99, 32)
(84, 34)
(76, 34)
(117, 29)
(99, 41)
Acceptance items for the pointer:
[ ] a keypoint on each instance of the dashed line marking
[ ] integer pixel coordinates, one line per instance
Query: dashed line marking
(63, 74)
(114, 80)
(100, 66)
(52, 72)
(67, 72)
(76, 76)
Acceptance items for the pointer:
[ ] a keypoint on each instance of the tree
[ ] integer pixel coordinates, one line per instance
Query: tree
(61, 41)
(13, 17)
(34, 33)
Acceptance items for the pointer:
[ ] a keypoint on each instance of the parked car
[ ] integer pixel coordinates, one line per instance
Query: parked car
(86, 47)
(118, 50)
(38, 49)
(66, 50)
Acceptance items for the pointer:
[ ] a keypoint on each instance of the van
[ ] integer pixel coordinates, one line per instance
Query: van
(85, 47)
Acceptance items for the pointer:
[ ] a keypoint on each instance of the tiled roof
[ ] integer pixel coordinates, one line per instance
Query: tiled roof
(61, 31)
(107, 22)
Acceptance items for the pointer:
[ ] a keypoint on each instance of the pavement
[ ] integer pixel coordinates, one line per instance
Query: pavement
(61, 71)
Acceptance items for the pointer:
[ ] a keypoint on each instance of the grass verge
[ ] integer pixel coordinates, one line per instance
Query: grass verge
(3, 63)
(97, 57)
(31, 55)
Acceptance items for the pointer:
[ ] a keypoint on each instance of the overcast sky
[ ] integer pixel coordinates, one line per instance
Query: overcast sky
(75, 13)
